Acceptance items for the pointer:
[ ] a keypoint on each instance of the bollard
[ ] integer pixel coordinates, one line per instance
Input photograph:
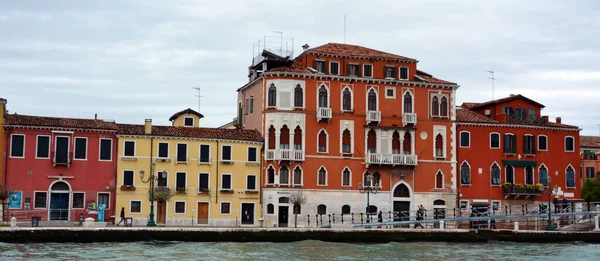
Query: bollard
(342, 218)
(516, 226)
(13, 222)
(352, 217)
(442, 224)
(597, 228)
(308, 218)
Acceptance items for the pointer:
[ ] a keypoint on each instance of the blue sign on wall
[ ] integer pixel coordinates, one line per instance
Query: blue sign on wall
(101, 208)
(14, 200)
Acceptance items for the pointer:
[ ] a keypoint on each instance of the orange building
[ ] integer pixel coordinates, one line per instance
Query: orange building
(507, 151)
(590, 165)
(339, 112)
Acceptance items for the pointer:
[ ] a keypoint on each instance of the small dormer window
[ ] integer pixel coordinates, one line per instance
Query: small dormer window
(353, 70)
(390, 72)
(188, 122)
(320, 66)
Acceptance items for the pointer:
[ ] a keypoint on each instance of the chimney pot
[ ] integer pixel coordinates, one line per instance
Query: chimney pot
(95, 116)
(558, 120)
(305, 47)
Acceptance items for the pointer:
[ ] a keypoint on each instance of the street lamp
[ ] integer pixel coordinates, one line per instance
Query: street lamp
(150, 179)
(368, 188)
(550, 192)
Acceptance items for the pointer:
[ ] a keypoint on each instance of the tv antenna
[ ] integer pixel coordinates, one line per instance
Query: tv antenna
(199, 96)
(493, 79)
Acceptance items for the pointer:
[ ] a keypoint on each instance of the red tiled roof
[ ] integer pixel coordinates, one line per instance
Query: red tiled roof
(589, 141)
(466, 115)
(469, 105)
(207, 133)
(41, 121)
(295, 68)
(188, 110)
(506, 99)
(355, 50)
(428, 78)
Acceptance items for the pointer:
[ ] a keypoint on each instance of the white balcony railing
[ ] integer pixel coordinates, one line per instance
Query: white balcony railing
(270, 154)
(285, 154)
(373, 116)
(409, 118)
(391, 159)
(323, 113)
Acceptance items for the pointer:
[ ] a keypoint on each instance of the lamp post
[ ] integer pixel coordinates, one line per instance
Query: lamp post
(550, 192)
(151, 179)
(368, 188)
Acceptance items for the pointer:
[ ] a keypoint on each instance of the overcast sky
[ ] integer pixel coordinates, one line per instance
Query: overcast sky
(131, 60)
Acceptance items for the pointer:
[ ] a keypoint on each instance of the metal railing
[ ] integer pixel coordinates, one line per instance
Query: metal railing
(373, 116)
(391, 159)
(284, 154)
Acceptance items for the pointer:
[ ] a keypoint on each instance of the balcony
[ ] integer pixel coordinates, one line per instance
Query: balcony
(285, 154)
(391, 159)
(373, 116)
(409, 118)
(61, 159)
(323, 113)
(524, 190)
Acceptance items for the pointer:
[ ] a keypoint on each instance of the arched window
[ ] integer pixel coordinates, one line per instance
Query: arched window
(510, 174)
(321, 209)
(465, 174)
(439, 180)
(284, 175)
(543, 176)
(372, 100)
(465, 139)
(407, 147)
(322, 177)
(270, 209)
(371, 141)
(298, 138)
(272, 102)
(529, 176)
(251, 104)
(439, 146)
(396, 143)
(407, 103)
(346, 99)
(444, 107)
(322, 141)
(439, 202)
(284, 200)
(346, 177)
(298, 97)
(401, 191)
(297, 176)
(284, 138)
(346, 142)
(345, 209)
(495, 175)
(60, 186)
(272, 137)
(570, 177)
(323, 97)
(435, 106)
(270, 175)
(372, 210)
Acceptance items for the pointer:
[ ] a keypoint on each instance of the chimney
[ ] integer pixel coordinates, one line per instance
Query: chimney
(558, 120)
(305, 47)
(148, 126)
(95, 116)
(3, 110)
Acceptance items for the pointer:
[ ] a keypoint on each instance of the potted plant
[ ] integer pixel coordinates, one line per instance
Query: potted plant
(539, 188)
(127, 187)
(520, 188)
(508, 187)
(181, 190)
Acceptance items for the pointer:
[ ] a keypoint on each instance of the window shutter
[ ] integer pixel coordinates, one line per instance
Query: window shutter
(525, 144)
(514, 143)
(395, 74)
(348, 70)
(358, 70)
(315, 65)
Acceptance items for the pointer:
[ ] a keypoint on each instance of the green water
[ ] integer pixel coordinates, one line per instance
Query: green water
(305, 250)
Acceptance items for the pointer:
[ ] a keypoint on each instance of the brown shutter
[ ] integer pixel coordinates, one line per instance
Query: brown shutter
(348, 70)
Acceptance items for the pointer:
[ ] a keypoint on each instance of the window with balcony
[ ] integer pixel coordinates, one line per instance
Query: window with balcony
(444, 107)
(542, 143)
(181, 152)
(465, 139)
(570, 177)
(320, 66)
(346, 143)
(297, 138)
(17, 146)
(494, 140)
(272, 99)
(298, 97)
(128, 177)
(203, 182)
(465, 174)
(353, 70)
(284, 138)
(346, 177)
(204, 153)
(403, 73)
(163, 150)
(495, 175)
(180, 181)
(271, 175)
(510, 174)
(569, 144)
(323, 97)
(396, 142)
(529, 176)
(347, 99)
(439, 180)
(389, 72)
(105, 149)
(271, 138)
(61, 150)
(129, 149)
(435, 106)
(510, 143)
(408, 106)
(284, 175)
(322, 143)
(371, 141)
(590, 172)
(543, 175)
(439, 146)
(528, 144)
(407, 145)
(372, 100)
(43, 147)
(334, 68)
(297, 176)
(322, 177)
(368, 70)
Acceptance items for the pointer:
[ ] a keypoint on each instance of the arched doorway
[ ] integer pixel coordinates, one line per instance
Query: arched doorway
(283, 213)
(401, 200)
(60, 192)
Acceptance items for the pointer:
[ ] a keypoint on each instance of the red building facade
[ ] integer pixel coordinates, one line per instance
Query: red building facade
(337, 113)
(59, 168)
(590, 164)
(507, 152)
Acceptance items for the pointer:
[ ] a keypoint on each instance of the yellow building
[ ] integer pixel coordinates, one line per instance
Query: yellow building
(2, 148)
(212, 174)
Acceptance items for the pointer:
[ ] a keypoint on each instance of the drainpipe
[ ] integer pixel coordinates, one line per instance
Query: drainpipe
(217, 187)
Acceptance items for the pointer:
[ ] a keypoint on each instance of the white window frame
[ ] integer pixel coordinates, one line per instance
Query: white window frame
(134, 148)
(566, 137)
(135, 200)
(123, 177)
(97, 199)
(500, 169)
(175, 207)
(525, 175)
(328, 96)
(87, 144)
(506, 175)
(166, 179)
(412, 99)
(349, 178)
(326, 176)
(393, 96)
(460, 204)
(267, 175)
(200, 153)
(24, 146)
(230, 180)
(84, 194)
(324, 64)
(279, 174)
(248, 154)
(199, 174)
(567, 176)
(49, 146)
(385, 71)
(34, 201)
(376, 98)
(499, 141)
(230, 151)
(187, 153)
(193, 121)
(158, 150)
(100, 149)
(186, 179)
(267, 209)
(326, 142)
(347, 86)
(407, 73)
(460, 141)
(338, 72)
(357, 69)
(255, 182)
(538, 142)
(221, 208)
(470, 174)
(351, 142)
(303, 96)
(443, 179)
(539, 174)
(499, 205)
(301, 177)
(367, 64)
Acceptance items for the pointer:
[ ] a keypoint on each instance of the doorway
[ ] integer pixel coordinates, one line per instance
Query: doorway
(59, 201)
(402, 211)
(161, 212)
(202, 213)
(247, 213)
(283, 216)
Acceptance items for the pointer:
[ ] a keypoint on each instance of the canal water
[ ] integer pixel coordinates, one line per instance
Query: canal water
(304, 250)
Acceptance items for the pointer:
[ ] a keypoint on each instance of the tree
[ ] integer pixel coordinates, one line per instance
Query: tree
(162, 194)
(4, 194)
(297, 199)
(591, 190)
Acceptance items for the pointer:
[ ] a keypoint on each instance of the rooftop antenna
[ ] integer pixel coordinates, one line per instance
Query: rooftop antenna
(344, 28)
(493, 79)
(199, 96)
(281, 45)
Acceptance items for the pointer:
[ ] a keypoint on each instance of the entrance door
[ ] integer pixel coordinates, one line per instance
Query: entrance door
(402, 211)
(59, 206)
(247, 213)
(202, 213)
(62, 150)
(161, 212)
(283, 216)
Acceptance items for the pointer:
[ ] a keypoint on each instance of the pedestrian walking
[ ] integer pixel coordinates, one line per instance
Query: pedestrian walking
(555, 202)
(379, 218)
(420, 216)
(122, 216)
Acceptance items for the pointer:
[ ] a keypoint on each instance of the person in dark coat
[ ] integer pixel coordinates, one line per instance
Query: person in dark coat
(555, 202)
(420, 214)
(379, 218)
(122, 216)
(565, 204)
